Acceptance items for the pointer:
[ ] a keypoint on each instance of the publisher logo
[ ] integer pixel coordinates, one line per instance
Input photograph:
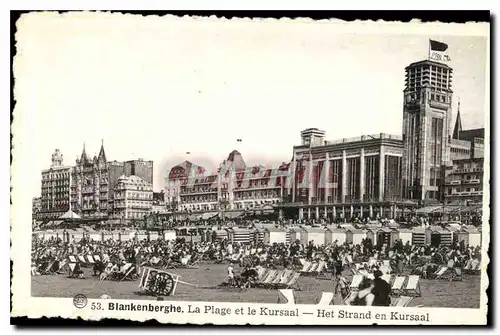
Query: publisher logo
(80, 301)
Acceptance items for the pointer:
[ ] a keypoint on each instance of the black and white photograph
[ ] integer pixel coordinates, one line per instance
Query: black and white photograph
(250, 171)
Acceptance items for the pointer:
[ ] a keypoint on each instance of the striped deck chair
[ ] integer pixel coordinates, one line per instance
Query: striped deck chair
(413, 287)
(268, 278)
(326, 298)
(277, 278)
(293, 281)
(260, 273)
(72, 259)
(90, 259)
(286, 296)
(105, 257)
(397, 286)
(97, 258)
(356, 280)
(401, 301)
(81, 259)
(287, 274)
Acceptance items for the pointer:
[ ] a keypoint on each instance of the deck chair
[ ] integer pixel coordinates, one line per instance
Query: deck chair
(413, 286)
(356, 280)
(306, 266)
(97, 258)
(127, 268)
(293, 281)
(326, 298)
(90, 259)
(277, 278)
(313, 268)
(387, 277)
(386, 263)
(397, 286)
(72, 259)
(269, 277)
(401, 301)
(81, 259)
(286, 296)
(440, 272)
(287, 274)
(352, 295)
(302, 261)
(260, 273)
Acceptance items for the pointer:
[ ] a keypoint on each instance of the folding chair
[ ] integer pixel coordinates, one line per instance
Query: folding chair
(287, 296)
(326, 298)
(307, 265)
(397, 286)
(413, 286)
(356, 280)
(285, 277)
(277, 278)
(81, 259)
(268, 278)
(90, 259)
(72, 259)
(260, 273)
(128, 268)
(440, 272)
(97, 258)
(313, 268)
(293, 281)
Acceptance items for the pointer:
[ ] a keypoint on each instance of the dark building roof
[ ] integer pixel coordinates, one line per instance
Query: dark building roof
(102, 154)
(237, 160)
(470, 134)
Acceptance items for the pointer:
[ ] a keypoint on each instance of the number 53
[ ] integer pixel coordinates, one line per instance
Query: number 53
(96, 306)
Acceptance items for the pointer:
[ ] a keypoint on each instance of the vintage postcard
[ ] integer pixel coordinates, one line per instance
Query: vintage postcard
(201, 170)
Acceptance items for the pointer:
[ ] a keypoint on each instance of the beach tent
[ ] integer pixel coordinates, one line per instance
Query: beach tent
(355, 236)
(219, 235)
(385, 235)
(333, 234)
(405, 235)
(436, 235)
(294, 233)
(70, 215)
(275, 235)
(316, 235)
(169, 235)
(470, 235)
(418, 236)
(240, 235)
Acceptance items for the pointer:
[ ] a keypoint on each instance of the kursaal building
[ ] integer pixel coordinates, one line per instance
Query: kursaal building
(380, 175)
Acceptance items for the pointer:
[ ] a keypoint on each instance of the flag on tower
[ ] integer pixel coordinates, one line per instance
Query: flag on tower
(437, 51)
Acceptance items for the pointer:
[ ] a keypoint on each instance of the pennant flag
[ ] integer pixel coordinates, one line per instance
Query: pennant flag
(437, 51)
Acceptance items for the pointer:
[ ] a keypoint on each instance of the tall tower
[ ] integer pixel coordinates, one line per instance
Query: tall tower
(426, 128)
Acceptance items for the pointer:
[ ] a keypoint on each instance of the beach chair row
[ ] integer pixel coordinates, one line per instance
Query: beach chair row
(312, 268)
(448, 273)
(275, 279)
(400, 285)
(473, 266)
(87, 259)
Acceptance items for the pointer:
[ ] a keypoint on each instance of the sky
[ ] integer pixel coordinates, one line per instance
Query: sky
(156, 88)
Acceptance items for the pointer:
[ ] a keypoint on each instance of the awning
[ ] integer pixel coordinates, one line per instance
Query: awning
(232, 215)
(206, 216)
(428, 209)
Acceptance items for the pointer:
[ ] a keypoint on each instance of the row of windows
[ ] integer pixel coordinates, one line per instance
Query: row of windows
(463, 189)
